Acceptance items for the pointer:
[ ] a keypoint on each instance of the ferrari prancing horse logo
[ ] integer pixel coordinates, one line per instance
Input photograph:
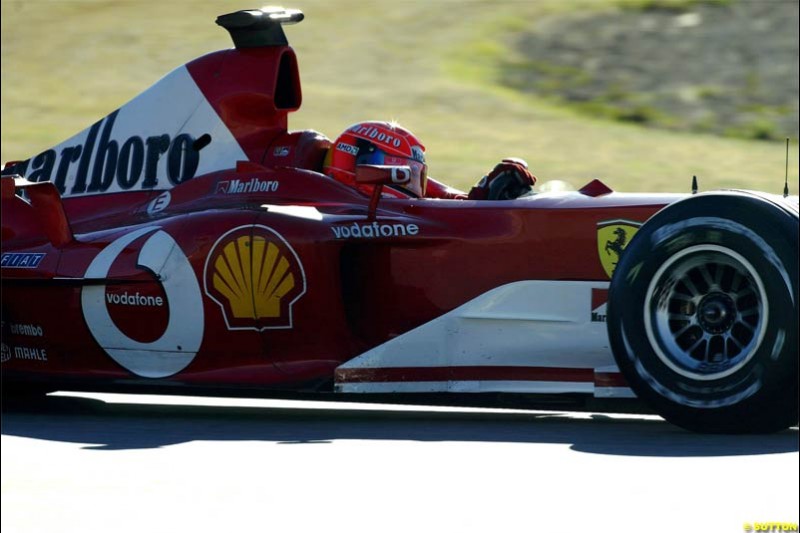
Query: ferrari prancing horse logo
(612, 238)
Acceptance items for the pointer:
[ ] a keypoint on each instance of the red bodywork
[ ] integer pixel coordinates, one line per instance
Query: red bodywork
(418, 259)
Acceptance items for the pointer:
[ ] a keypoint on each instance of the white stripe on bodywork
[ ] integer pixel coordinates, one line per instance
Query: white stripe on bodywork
(532, 387)
(613, 392)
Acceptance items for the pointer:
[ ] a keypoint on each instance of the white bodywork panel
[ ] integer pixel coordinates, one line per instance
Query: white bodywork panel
(173, 106)
(537, 330)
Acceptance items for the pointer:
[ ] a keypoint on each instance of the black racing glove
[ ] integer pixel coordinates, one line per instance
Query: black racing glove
(509, 179)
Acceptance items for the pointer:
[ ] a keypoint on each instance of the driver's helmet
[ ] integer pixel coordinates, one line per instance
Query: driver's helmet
(377, 143)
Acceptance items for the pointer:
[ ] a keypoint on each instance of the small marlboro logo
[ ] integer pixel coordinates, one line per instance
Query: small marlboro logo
(599, 304)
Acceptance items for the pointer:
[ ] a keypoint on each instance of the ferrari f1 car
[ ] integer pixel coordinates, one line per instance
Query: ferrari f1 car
(188, 241)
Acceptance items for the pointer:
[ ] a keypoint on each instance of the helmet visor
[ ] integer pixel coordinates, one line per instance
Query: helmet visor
(419, 171)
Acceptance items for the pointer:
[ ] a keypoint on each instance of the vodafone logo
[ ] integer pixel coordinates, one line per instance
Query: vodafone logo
(374, 230)
(134, 299)
(179, 343)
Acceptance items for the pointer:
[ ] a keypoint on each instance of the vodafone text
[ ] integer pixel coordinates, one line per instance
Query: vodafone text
(134, 299)
(376, 229)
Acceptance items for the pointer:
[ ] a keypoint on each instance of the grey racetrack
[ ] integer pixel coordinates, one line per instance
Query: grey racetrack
(109, 463)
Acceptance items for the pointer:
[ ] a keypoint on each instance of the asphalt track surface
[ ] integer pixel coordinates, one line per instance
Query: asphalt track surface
(117, 463)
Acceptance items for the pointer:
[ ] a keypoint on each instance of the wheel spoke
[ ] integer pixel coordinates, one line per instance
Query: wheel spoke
(744, 292)
(683, 330)
(735, 341)
(724, 350)
(691, 286)
(737, 279)
(706, 277)
(697, 344)
(718, 276)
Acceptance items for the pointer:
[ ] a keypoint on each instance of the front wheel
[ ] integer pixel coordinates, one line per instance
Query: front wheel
(703, 314)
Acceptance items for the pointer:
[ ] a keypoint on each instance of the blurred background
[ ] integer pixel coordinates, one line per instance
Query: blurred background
(642, 94)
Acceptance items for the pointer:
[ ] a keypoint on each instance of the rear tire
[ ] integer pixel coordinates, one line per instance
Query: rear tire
(703, 310)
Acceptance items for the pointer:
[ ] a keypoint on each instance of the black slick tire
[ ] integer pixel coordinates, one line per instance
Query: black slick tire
(703, 314)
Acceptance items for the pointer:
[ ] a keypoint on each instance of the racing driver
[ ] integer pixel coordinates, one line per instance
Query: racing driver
(386, 143)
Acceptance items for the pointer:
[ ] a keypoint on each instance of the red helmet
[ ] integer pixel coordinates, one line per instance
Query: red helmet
(377, 143)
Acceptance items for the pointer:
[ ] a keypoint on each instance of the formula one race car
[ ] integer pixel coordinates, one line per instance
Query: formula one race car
(189, 242)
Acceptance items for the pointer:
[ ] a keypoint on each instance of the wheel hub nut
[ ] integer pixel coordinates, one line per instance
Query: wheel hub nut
(717, 313)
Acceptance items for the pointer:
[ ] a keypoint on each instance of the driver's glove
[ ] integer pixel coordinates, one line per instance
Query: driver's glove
(509, 179)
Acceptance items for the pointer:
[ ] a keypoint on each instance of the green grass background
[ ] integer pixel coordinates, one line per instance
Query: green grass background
(431, 65)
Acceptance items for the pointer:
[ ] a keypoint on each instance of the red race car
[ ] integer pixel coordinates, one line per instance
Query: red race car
(189, 242)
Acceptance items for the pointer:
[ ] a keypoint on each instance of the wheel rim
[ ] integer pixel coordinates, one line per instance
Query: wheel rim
(705, 312)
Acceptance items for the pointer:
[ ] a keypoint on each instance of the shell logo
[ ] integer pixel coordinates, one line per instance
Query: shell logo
(256, 277)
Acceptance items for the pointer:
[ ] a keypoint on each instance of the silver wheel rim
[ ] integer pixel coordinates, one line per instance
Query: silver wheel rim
(706, 312)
